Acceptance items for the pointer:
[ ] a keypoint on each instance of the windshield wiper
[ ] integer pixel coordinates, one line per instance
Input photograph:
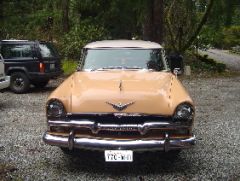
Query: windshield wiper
(115, 67)
(106, 68)
(134, 67)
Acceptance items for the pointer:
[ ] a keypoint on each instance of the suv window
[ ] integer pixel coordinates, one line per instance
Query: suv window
(47, 50)
(16, 51)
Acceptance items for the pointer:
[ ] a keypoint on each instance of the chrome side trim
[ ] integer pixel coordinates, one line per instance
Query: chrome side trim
(103, 144)
(96, 127)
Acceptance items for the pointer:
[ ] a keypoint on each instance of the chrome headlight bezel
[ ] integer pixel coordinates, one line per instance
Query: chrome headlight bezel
(184, 112)
(55, 109)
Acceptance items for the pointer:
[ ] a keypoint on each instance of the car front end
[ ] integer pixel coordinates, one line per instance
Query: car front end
(121, 109)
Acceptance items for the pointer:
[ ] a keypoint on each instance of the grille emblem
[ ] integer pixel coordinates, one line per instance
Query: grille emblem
(119, 106)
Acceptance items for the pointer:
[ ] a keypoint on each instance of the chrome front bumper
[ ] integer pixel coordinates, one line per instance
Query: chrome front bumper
(71, 142)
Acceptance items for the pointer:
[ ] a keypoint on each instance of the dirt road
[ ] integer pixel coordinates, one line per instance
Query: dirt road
(231, 60)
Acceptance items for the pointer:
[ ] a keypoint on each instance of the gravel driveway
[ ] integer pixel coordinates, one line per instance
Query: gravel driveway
(231, 60)
(23, 155)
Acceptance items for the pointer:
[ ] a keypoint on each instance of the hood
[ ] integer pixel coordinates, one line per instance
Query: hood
(142, 92)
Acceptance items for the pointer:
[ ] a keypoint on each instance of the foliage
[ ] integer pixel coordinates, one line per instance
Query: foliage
(78, 36)
(69, 66)
(209, 37)
(184, 23)
(231, 36)
(235, 49)
(205, 64)
(89, 20)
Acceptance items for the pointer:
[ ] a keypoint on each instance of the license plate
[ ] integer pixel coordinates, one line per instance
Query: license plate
(52, 66)
(118, 155)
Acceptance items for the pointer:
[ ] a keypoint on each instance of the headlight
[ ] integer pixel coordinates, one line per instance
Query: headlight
(184, 112)
(55, 109)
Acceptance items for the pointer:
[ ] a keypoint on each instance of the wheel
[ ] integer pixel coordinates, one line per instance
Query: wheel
(40, 84)
(19, 82)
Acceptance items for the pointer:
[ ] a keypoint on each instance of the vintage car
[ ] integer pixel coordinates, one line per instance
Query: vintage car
(122, 99)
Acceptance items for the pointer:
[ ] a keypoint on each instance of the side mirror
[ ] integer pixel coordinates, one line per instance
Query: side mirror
(176, 63)
(177, 71)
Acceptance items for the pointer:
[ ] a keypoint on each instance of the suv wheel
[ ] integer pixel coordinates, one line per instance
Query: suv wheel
(19, 82)
(40, 84)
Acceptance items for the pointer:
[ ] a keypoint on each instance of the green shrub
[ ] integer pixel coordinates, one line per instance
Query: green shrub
(205, 64)
(235, 49)
(80, 35)
(220, 67)
(231, 36)
(69, 66)
(211, 37)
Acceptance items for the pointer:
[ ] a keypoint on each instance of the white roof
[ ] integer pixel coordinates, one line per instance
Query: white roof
(123, 44)
(15, 40)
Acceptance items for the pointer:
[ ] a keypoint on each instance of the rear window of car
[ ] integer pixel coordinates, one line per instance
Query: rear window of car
(47, 50)
(16, 51)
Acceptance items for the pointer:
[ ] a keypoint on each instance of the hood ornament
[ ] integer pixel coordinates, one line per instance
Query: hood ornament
(119, 106)
(120, 85)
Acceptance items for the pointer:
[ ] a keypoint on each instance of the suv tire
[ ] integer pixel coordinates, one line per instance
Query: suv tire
(40, 84)
(19, 82)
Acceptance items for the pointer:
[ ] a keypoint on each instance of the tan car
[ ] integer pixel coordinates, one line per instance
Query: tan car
(122, 99)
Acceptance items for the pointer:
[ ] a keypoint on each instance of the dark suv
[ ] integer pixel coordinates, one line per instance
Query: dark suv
(29, 62)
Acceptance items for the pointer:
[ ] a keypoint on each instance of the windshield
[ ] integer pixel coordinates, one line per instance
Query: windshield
(96, 59)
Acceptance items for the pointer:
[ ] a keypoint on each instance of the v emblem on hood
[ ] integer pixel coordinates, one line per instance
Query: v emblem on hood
(119, 106)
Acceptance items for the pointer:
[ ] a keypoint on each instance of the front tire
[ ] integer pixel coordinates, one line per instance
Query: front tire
(19, 82)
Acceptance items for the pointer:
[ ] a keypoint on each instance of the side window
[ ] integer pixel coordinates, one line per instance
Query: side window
(16, 51)
(47, 50)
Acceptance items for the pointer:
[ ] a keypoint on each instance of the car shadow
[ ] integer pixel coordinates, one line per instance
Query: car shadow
(144, 163)
(33, 89)
(41, 90)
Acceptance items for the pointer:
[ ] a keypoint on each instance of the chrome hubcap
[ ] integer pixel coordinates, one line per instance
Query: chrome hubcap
(19, 82)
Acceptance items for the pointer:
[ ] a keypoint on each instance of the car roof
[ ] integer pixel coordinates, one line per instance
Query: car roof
(123, 44)
(14, 41)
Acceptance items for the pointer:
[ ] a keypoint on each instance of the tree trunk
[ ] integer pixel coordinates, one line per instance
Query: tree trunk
(65, 15)
(229, 12)
(153, 25)
(199, 27)
(148, 22)
(158, 27)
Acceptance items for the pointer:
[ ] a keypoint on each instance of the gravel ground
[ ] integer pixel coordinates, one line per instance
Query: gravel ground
(23, 155)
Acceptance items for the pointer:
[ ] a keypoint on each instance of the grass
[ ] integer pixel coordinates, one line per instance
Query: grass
(4, 169)
(69, 66)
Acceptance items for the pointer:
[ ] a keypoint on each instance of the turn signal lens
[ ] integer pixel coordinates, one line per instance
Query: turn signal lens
(42, 67)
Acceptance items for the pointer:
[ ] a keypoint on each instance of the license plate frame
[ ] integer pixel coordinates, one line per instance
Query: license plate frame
(118, 155)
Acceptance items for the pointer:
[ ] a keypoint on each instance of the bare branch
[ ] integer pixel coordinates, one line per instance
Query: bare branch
(199, 27)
